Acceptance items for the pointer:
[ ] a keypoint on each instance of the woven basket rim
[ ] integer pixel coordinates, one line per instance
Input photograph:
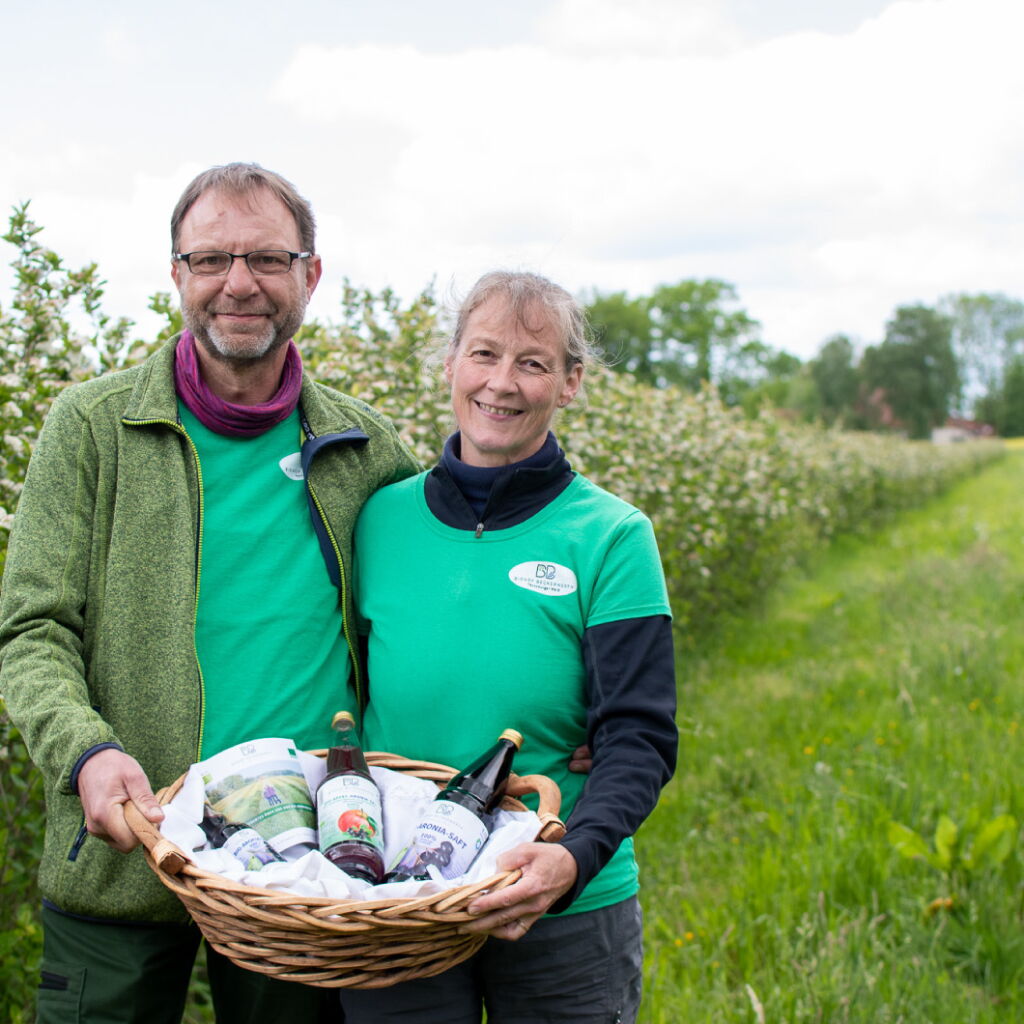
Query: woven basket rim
(166, 857)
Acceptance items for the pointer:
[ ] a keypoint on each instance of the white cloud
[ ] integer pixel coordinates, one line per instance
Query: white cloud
(641, 27)
(829, 176)
(615, 150)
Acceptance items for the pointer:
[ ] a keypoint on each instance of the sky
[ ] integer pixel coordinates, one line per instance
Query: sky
(831, 161)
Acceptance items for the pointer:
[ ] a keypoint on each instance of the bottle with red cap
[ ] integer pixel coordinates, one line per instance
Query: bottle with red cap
(348, 808)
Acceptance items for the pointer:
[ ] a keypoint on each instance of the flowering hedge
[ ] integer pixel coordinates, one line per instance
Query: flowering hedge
(734, 500)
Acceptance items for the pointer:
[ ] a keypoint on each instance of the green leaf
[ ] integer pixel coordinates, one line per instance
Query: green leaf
(995, 841)
(946, 836)
(907, 842)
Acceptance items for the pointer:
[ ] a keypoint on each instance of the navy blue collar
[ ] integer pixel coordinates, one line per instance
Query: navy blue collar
(495, 498)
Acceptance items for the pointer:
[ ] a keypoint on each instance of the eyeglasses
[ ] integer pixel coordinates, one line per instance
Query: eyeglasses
(261, 263)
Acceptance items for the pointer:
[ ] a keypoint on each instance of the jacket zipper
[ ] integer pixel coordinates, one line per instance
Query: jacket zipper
(76, 846)
(346, 626)
(197, 560)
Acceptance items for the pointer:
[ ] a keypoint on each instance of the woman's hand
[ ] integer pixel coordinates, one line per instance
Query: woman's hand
(548, 869)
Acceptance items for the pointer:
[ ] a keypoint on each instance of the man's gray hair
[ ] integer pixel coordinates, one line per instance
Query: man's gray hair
(527, 295)
(247, 180)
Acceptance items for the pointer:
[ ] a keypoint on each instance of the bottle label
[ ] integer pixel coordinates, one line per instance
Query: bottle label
(249, 847)
(348, 807)
(447, 836)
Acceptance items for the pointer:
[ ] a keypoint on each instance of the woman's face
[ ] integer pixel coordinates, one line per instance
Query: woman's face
(506, 384)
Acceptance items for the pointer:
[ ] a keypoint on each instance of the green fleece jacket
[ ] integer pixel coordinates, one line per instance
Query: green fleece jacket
(98, 602)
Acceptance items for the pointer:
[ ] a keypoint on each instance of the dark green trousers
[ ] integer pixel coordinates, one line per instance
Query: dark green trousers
(111, 973)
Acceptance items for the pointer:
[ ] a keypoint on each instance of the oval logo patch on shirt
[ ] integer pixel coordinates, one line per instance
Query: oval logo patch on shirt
(291, 466)
(544, 578)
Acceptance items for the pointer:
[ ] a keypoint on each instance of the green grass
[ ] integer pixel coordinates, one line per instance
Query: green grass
(883, 683)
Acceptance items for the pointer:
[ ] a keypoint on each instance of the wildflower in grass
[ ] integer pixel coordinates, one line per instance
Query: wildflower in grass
(940, 903)
(974, 705)
(808, 750)
(688, 936)
(880, 741)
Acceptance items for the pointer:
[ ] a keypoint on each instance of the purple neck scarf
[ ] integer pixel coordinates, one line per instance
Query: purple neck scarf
(228, 418)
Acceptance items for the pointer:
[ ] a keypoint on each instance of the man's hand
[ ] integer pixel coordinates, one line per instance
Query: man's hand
(106, 782)
(582, 760)
(549, 870)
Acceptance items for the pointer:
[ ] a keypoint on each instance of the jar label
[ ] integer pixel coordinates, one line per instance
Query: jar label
(347, 808)
(249, 847)
(447, 836)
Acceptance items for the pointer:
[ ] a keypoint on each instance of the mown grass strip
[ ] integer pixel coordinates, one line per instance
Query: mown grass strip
(884, 684)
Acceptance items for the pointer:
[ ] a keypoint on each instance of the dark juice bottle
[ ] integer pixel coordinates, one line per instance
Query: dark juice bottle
(348, 808)
(458, 821)
(244, 843)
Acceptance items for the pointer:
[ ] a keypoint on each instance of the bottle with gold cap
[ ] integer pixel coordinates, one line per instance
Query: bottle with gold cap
(348, 808)
(458, 821)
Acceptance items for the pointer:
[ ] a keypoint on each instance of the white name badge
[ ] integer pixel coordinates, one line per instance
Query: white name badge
(291, 466)
(544, 578)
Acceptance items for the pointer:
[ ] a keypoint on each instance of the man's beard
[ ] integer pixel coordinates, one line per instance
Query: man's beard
(247, 347)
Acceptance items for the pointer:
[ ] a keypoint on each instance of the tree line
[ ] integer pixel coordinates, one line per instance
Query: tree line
(962, 357)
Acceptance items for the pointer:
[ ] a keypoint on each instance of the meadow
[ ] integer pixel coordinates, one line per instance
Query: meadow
(841, 841)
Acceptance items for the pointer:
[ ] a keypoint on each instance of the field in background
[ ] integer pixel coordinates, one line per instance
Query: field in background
(882, 686)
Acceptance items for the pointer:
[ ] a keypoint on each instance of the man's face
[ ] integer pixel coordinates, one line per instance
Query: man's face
(241, 317)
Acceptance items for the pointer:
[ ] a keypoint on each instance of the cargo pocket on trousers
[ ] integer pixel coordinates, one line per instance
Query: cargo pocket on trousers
(59, 999)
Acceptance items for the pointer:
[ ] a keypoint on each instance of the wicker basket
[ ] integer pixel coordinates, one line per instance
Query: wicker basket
(337, 943)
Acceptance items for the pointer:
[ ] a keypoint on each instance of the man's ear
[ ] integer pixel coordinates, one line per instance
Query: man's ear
(314, 268)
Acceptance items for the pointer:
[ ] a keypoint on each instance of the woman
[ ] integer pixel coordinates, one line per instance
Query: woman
(501, 589)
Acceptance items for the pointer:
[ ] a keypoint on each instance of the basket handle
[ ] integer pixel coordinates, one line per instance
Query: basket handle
(550, 796)
(167, 855)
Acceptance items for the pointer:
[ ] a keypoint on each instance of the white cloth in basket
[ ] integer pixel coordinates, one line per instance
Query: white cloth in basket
(309, 873)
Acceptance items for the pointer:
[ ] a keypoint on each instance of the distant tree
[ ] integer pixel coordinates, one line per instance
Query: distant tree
(623, 332)
(758, 375)
(988, 336)
(914, 371)
(1003, 406)
(685, 334)
(837, 380)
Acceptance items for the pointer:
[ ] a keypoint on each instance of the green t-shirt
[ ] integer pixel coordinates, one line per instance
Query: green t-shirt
(269, 625)
(472, 635)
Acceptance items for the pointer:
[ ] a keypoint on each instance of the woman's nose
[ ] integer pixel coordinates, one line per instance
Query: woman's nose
(502, 376)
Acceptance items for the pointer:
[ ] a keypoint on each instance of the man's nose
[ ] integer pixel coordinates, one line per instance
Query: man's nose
(240, 279)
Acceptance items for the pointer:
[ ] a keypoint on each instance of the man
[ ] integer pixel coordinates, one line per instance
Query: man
(172, 588)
